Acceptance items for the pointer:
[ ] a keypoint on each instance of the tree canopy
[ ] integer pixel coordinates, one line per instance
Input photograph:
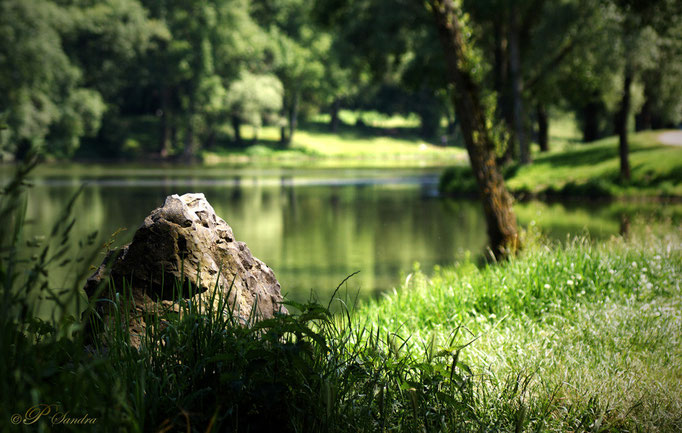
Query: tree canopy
(75, 74)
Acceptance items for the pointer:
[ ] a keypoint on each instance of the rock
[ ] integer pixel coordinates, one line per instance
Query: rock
(184, 240)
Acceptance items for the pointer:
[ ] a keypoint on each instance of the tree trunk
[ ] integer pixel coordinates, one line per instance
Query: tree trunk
(334, 118)
(293, 118)
(497, 203)
(622, 125)
(283, 128)
(591, 122)
(237, 129)
(543, 128)
(517, 85)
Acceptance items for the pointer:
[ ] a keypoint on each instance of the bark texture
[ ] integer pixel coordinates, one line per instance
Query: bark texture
(497, 203)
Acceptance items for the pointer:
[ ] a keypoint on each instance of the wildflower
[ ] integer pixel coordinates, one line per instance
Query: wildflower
(569, 282)
(547, 286)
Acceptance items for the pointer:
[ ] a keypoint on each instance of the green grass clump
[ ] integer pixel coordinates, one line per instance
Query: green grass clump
(593, 332)
(590, 170)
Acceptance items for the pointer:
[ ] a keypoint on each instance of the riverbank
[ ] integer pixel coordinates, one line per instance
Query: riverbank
(565, 337)
(588, 171)
(581, 337)
(381, 145)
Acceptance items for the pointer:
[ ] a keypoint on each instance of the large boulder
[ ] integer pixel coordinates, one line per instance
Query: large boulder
(183, 250)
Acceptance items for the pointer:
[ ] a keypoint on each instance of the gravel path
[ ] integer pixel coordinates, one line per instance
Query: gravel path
(673, 138)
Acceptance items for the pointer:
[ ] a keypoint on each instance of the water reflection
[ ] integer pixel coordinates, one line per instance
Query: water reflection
(313, 231)
(314, 228)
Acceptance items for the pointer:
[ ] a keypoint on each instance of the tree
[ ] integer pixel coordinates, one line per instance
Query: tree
(528, 44)
(210, 44)
(389, 35)
(251, 99)
(641, 27)
(297, 49)
(662, 93)
(43, 103)
(472, 115)
(392, 48)
(62, 62)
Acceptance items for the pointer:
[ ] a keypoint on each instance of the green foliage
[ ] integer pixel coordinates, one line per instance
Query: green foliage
(61, 63)
(73, 71)
(35, 72)
(40, 355)
(255, 98)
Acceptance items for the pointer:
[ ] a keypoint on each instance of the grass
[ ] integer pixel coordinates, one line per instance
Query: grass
(592, 333)
(581, 337)
(384, 140)
(590, 170)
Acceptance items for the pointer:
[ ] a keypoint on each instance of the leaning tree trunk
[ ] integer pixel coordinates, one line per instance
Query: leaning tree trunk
(622, 125)
(497, 203)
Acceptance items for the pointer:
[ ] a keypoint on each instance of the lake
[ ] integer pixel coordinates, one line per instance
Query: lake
(312, 226)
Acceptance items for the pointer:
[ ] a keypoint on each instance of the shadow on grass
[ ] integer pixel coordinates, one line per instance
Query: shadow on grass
(591, 154)
(355, 132)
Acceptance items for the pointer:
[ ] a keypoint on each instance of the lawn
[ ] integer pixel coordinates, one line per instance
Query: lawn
(383, 140)
(580, 337)
(590, 170)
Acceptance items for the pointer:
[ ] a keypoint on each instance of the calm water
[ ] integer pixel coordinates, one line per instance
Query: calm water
(312, 226)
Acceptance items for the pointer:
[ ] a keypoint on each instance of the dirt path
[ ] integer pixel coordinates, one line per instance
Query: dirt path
(672, 138)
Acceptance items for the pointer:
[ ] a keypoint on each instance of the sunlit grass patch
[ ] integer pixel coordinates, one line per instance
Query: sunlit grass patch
(594, 169)
(350, 144)
(590, 170)
(593, 331)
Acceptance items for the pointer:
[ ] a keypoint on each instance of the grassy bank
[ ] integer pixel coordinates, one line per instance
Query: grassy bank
(351, 148)
(363, 138)
(580, 337)
(380, 139)
(575, 338)
(589, 170)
